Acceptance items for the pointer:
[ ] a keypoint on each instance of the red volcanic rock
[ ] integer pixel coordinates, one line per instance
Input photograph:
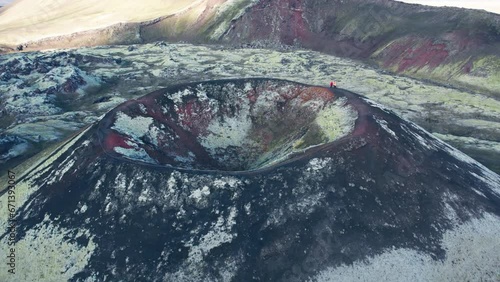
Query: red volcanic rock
(397, 35)
(316, 93)
(413, 53)
(73, 83)
(115, 140)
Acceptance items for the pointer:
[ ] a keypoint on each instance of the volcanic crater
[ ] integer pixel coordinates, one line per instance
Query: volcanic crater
(230, 125)
(257, 180)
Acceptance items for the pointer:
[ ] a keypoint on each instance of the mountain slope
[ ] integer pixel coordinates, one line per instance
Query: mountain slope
(444, 44)
(38, 19)
(32, 20)
(447, 45)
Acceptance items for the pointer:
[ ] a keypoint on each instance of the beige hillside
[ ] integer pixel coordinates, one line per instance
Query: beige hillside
(32, 20)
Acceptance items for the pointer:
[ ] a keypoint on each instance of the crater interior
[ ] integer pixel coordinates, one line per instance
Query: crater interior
(232, 125)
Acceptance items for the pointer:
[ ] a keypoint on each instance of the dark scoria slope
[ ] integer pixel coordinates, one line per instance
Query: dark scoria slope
(258, 180)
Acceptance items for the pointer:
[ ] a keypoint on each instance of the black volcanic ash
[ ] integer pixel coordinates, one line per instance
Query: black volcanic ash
(379, 199)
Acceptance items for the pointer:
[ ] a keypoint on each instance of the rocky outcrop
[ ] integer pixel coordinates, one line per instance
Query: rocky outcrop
(36, 89)
(40, 80)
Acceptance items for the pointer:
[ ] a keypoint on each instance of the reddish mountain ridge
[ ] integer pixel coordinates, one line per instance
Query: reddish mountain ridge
(448, 45)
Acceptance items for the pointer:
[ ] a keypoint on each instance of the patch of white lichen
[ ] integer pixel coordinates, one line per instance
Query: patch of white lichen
(472, 254)
(49, 253)
(336, 120)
